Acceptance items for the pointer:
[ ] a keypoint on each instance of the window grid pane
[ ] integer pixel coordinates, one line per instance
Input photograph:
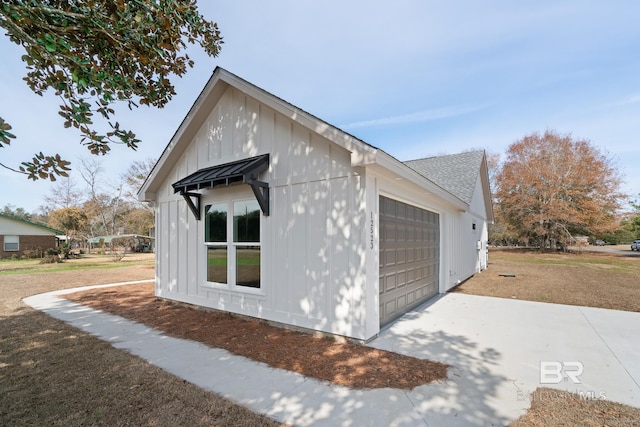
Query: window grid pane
(217, 259)
(248, 266)
(246, 221)
(11, 243)
(215, 223)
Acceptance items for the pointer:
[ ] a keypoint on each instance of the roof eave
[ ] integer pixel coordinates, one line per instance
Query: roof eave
(211, 93)
(361, 152)
(486, 186)
(405, 172)
(32, 224)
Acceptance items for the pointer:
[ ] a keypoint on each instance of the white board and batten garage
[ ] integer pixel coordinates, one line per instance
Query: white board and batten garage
(265, 210)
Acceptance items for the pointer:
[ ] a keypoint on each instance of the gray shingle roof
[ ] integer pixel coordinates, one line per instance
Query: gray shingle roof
(455, 173)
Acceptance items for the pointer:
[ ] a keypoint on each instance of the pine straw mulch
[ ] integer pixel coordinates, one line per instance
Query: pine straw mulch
(324, 358)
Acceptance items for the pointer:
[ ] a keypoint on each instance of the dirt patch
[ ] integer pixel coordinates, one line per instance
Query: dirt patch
(585, 279)
(551, 407)
(323, 358)
(53, 374)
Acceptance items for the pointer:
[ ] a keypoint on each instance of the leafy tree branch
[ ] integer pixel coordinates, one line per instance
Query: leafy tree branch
(94, 53)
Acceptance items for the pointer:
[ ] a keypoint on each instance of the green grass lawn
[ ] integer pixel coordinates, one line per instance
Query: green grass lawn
(583, 260)
(85, 262)
(218, 258)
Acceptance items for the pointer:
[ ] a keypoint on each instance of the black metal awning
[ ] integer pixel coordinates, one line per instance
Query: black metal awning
(243, 171)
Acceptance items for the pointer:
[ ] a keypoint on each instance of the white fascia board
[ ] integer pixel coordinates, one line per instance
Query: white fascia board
(404, 172)
(486, 189)
(361, 153)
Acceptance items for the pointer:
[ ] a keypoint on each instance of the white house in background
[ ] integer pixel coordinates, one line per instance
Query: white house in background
(263, 209)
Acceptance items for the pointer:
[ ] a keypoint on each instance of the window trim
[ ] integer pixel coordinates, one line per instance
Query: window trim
(232, 245)
(17, 243)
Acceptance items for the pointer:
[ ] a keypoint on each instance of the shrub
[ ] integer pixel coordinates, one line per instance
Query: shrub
(51, 259)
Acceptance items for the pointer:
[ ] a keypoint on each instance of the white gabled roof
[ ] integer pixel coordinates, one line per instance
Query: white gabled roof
(362, 154)
(220, 80)
(13, 225)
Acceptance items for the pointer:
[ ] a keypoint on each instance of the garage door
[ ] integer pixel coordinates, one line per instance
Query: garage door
(409, 257)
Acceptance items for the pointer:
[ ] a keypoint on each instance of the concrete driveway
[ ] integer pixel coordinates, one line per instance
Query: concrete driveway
(494, 345)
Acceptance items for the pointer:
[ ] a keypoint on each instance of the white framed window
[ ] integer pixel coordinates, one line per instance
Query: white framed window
(11, 243)
(232, 239)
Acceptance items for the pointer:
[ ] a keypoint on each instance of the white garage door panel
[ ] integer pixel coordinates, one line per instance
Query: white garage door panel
(409, 257)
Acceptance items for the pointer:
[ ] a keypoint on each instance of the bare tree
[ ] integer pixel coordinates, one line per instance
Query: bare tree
(64, 194)
(104, 207)
(133, 179)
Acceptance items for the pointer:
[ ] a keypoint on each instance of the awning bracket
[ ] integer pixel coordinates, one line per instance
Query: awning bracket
(193, 201)
(261, 191)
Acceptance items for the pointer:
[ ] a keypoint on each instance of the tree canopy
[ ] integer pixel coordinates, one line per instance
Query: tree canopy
(71, 220)
(19, 213)
(94, 53)
(552, 186)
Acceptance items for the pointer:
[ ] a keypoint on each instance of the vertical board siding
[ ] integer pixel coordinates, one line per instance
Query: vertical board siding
(182, 285)
(162, 253)
(320, 256)
(297, 246)
(281, 261)
(299, 160)
(194, 241)
(251, 144)
(280, 150)
(173, 246)
(317, 254)
(313, 256)
(343, 242)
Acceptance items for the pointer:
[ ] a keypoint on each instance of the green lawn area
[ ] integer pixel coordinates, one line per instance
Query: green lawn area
(583, 260)
(218, 258)
(592, 279)
(85, 262)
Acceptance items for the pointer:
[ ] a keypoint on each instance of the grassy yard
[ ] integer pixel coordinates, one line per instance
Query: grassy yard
(53, 374)
(85, 262)
(587, 278)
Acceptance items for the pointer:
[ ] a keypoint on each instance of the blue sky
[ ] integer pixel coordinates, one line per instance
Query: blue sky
(414, 78)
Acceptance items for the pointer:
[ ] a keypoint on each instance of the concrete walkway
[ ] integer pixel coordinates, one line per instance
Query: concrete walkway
(494, 345)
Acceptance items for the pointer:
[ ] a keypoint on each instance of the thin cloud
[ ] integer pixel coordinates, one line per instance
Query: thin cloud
(634, 99)
(418, 116)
